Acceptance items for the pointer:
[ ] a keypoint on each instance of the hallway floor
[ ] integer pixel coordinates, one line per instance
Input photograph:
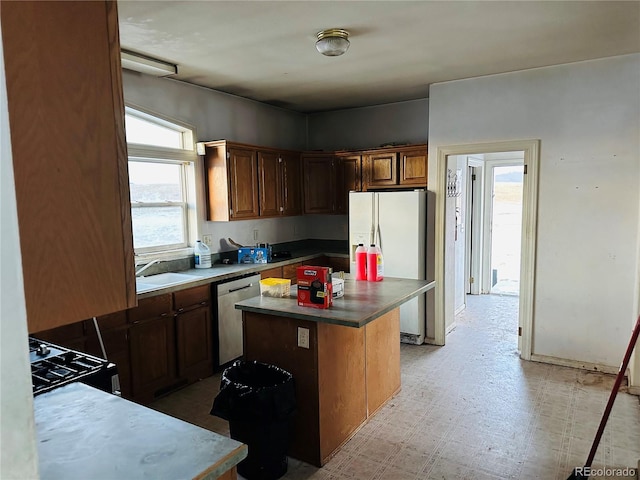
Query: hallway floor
(470, 410)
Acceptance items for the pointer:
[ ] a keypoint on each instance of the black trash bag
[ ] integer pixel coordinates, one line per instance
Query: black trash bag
(259, 402)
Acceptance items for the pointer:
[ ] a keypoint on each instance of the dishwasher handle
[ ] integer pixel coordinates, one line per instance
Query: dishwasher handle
(236, 285)
(231, 290)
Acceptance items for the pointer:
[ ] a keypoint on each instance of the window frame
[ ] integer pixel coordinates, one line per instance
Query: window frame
(187, 158)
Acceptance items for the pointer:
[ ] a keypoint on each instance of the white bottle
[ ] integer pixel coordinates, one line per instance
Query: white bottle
(202, 255)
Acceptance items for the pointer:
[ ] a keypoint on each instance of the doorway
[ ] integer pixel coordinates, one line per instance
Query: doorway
(505, 229)
(448, 229)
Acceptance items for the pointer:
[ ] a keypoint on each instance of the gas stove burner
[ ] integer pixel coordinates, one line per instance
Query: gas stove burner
(53, 366)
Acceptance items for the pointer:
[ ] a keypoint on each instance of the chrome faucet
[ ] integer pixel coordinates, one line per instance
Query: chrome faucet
(152, 262)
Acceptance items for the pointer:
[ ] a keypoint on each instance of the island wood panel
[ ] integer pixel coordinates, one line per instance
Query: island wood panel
(345, 376)
(341, 385)
(383, 359)
(229, 474)
(66, 113)
(274, 340)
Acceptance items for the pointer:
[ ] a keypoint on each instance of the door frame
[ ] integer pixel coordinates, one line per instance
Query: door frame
(474, 224)
(443, 295)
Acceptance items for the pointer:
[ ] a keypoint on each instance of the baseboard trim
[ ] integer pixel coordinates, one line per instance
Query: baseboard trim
(634, 391)
(563, 362)
(460, 309)
(450, 328)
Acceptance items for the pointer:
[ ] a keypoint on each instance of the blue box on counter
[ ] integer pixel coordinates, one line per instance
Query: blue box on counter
(254, 255)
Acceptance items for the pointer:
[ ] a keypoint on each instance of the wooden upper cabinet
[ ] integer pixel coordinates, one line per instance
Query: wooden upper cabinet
(413, 167)
(231, 178)
(348, 178)
(270, 184)
(319, 183)
(382, 169)
(246, 181)
(395, 167)
(66, 115)
(280, 183)
(291, 167)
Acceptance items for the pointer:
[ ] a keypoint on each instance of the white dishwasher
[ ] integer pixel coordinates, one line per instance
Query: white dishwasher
(230, 319)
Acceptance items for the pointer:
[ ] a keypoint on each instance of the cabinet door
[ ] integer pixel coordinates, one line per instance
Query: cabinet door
(243, 188)
(275, 272)
(291, 168)
(70, 159)
(291, 271)
(348, 177)
(270, 184)
(382, 169)
(153, 358)
(319, 184)
(195, 346)
(413, 167)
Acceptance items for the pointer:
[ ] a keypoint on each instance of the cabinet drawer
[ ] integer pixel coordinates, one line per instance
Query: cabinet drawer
(192, 296)
(275, 272)
(158, 306)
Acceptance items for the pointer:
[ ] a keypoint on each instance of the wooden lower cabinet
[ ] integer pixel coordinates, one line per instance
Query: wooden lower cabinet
(291, 271)
(153, 358)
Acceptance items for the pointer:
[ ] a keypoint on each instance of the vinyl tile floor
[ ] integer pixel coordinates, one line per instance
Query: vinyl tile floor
(470, 410)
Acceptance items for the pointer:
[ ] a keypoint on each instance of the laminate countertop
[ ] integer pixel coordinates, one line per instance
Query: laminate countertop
(362, 302)
(86, 433)
(221, 272)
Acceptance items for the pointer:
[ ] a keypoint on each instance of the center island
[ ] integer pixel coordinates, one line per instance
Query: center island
(345, 360)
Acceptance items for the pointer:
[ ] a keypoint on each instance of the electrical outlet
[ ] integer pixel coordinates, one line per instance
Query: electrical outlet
(207, 240)
(256, 234)
(303, 337)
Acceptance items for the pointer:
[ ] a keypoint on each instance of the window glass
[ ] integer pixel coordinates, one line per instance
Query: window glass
(155, 182)
(139, 130)
(157, 226)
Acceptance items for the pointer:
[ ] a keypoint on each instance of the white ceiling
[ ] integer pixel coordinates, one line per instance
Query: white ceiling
(265, 50)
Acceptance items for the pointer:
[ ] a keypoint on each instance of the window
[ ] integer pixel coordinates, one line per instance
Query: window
(161, 183)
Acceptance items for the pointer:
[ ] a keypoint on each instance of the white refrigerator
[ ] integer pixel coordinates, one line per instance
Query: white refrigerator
(395, 222)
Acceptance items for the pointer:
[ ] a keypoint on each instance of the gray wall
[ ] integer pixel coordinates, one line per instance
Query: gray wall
(587, 117)
(216, 115)
(368, 127)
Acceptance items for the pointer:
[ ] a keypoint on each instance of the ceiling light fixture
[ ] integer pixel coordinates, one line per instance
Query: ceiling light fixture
(151, 66)
(333, 42)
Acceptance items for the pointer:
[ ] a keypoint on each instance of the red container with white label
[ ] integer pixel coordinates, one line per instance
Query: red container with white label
(314, 286)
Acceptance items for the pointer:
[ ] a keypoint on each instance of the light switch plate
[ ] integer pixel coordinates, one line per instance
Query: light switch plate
(206, 239)
(303, 337)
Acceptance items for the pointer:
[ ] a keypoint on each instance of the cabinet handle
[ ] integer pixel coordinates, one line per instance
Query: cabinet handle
(181, 310)
(164, 314)
(203, 303)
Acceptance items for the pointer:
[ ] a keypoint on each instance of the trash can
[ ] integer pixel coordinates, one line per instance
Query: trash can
(259, 402)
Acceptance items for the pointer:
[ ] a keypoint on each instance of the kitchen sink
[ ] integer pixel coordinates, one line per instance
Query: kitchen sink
(162, 280)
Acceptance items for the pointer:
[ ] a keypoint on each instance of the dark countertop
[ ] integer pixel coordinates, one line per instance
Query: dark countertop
(362, 302)
(221, 272)
(86, 433)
